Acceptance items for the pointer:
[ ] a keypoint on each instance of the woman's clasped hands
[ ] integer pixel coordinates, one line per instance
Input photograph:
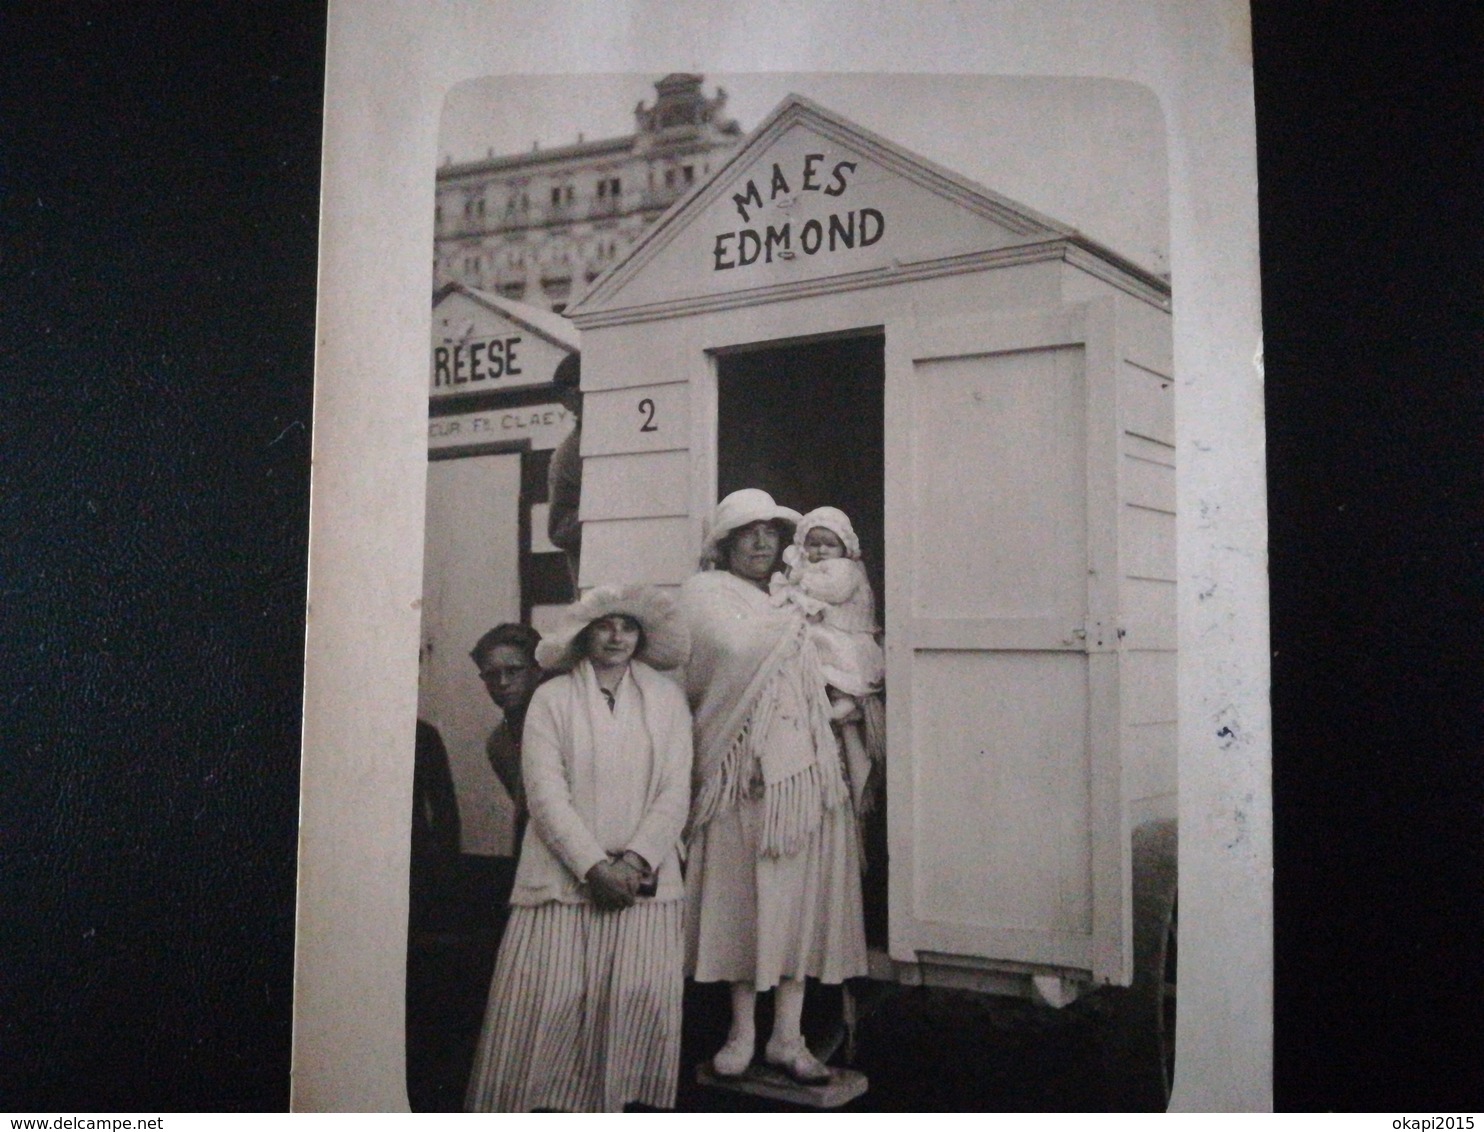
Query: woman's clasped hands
(619, 881)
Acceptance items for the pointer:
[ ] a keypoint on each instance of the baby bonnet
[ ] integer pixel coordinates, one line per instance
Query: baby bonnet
(831, 519)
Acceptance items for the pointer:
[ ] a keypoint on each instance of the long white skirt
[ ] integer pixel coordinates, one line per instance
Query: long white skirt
(755, 919)
(584, 1011)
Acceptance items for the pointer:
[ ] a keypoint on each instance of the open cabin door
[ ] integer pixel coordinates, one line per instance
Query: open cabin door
(1008, 842)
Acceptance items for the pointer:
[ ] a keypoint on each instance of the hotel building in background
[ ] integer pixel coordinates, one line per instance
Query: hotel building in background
(539, 227)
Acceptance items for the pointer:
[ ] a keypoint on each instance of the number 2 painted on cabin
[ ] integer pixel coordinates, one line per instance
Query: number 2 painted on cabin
(646, 406)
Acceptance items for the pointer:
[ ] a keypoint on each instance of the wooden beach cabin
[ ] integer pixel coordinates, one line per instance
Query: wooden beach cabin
(989, 395)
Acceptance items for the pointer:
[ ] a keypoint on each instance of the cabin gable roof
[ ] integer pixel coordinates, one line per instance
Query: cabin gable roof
(812, 202)
(554, 328)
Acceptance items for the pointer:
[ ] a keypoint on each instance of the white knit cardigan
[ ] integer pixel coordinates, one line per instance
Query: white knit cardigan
(559, 765)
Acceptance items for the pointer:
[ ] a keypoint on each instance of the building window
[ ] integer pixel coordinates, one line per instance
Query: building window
(689, 172)
(609, 188)
(669, 178)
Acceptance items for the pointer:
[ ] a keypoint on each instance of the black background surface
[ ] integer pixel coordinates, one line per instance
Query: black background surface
(158, 211)
(1369, 131)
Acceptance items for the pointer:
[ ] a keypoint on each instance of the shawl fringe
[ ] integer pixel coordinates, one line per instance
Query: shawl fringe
(725, 788)
(792, 811)
(795, 798)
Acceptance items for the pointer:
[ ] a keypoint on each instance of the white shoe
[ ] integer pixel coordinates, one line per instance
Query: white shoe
(733, 1058)
(794, 1058)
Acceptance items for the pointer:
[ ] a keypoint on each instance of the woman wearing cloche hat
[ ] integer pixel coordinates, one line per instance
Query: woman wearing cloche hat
(773, 874)
(584, 1006)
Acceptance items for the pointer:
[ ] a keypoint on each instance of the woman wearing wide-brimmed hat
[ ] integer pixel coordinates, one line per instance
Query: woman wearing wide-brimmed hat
(584, 1006)
(773, 875)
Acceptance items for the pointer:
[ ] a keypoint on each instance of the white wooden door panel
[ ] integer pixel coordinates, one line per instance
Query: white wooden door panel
(1003, 772)
(471, 582)
(999, 479)
(1001, 790)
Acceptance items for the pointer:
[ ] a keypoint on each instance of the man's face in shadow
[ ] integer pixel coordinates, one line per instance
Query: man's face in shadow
(509, 676)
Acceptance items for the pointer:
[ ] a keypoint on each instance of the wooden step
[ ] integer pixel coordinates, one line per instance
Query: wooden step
(762, 1080)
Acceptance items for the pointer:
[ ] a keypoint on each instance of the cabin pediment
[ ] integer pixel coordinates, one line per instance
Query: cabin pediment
(811, 198)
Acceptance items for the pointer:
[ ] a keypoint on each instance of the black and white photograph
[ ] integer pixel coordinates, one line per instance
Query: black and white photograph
(896, 453)
(790, 550)
(777, 558)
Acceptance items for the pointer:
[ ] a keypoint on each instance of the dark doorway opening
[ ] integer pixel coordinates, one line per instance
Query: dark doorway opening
(806, 423)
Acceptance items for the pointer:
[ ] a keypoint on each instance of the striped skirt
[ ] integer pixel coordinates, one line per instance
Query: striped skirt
(584, 1010)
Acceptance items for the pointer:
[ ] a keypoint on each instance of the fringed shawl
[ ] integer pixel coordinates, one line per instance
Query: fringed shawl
(747, 659)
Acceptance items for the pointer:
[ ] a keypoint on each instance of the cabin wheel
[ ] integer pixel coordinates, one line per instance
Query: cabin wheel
(1138, 1021)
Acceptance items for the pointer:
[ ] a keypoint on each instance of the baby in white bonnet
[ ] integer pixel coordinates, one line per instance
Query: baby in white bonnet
(827, 582)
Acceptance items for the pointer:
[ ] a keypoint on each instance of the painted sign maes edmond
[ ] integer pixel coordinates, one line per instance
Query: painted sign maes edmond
(834, 232)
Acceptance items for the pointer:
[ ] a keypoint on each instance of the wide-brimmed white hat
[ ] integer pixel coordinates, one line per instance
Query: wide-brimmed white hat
(742, 507)
(831, 519)
(666, 638)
